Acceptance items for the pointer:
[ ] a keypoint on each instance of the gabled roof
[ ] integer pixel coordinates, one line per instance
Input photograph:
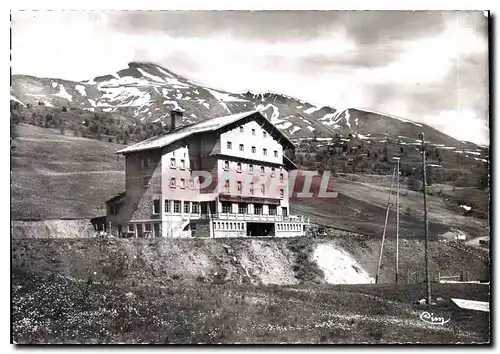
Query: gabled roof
(116, 198)
(213, 124)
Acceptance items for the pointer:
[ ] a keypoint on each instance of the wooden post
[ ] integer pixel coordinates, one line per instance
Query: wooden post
(385, 227)
(397, 227)
(428, 280)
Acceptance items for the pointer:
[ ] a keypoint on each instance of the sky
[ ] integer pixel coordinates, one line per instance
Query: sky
(427, 66)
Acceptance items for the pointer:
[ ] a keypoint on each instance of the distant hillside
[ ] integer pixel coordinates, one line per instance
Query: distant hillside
(145, 93)
(60, 176)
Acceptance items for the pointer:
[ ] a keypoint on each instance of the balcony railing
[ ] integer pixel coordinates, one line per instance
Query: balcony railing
(260, 217)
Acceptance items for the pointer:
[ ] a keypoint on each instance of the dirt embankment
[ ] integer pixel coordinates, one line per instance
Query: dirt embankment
(80, 228)
(250, 261)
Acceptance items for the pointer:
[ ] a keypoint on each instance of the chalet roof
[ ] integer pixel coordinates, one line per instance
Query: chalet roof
(115, 198)
(213, 124)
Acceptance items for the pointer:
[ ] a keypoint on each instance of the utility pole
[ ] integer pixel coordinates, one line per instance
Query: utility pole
(385, 227)
(427, 278)
(397, 224)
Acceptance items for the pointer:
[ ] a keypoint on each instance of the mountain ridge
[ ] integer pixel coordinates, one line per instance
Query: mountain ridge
(147, 92)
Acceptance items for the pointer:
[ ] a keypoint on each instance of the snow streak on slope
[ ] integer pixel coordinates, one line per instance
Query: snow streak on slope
(311, 110)
(274, 116)
(15, 99)
(81, 89)
(339, 266)
(62, 93)
(175, 104)
(224, 97)
(152, 77)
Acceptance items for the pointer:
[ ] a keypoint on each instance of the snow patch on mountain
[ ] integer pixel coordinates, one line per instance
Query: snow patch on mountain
(175, 104)
(54, 84)
(164, 72)
(274, 115)
(311, 110)
(62, 93)
(294, 129)
(310, 128)
(285, 125)
(347, 116)
(15, 99)
(224, 97)
(148, 75)
(81, 89)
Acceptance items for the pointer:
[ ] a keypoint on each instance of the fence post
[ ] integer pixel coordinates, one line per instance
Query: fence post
(439, 277)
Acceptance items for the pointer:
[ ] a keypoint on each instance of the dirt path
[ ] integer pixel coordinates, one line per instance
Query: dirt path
(52, 173)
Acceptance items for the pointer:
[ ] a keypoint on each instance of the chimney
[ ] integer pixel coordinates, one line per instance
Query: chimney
(175, 119)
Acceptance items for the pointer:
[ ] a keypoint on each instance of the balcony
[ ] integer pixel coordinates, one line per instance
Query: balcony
(260, 217)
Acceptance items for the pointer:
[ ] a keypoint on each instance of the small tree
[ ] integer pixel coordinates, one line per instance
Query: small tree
(64, 109)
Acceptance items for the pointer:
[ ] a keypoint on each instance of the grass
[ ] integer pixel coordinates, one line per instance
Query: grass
(58, 176)
(361, 203)
(60, 310)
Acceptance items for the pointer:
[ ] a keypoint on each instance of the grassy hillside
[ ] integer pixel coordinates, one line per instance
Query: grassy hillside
(361, 203)
(56, 176)
(61, 310)
(59, 176)
(260, 261)
(208, 291)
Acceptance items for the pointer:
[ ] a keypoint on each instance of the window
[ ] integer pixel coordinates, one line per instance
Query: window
(183, 164)
(250, 168)
(172, 182)
(146, 162)
(172, 162)
(183, 183)
(262, 169)
(253, 150)
(195, 208)
(258, 209)
(242, 147)
(273, 172)
(275, 153)
(264, 134)
(241, 129)
(229, 145)
(131, 227)
(253, 131)
(263, 189)
(251, 188)
(226, 165)
(238, 167)
(145, 181)
(226, 207)
(272, 209)
(284, 211)
(186, 207)
(239, 186)
(264, 151)
(177, 206)
(156, 206)
(167, 206)
(281, 177)
(191, 183)
(147, 227)
(282, 193)
(191, 164)
(242, 208)
(227, 186)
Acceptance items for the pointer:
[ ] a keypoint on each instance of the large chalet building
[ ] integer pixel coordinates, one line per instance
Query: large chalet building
(224, 177)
